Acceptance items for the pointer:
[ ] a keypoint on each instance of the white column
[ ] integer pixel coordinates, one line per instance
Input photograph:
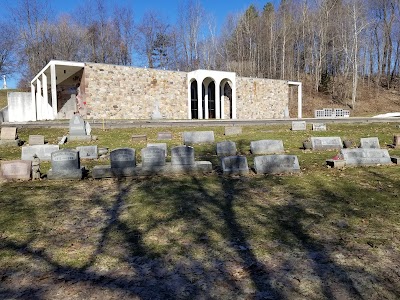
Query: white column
(206, 103)
(53, 82)
(199, 99)
(233, 100)
(33, 97)
(299, 100)
(39, 100)
(47, 107)
(222, 106)
(217, 100)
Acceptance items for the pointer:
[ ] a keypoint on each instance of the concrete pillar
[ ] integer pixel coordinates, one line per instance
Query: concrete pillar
(39, 101)
(199, 99)
(299, 101)
(33, 97)
(206, 103)
(217, 100)
(234, 100)
(47, 107)
(53, 82)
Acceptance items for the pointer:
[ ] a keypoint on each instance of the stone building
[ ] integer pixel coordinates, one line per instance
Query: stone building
(100, 91)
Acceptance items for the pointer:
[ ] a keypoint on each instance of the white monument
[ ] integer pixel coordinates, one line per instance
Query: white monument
(4, 82)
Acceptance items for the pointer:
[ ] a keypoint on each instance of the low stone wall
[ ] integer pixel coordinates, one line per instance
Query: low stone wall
(20, 107)
(120, 92)
(259, 98)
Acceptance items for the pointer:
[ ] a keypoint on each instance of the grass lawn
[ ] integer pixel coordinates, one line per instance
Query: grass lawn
(320, 234)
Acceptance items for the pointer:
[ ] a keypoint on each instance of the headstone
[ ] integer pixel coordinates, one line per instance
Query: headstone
(8, 133)
(326, 143)
(319, 127)
(36, 140)
(123, 158)
(370, 143)
(233, 130)
(182, 155)
(77, 126)
(162, 146)
(198, 137)
(299, 125)
(396, 141)
(139, 137)
(234, 165)
(366, 157)
(16, 169)
(88, 152)
(65, 164)
(42, 151)
(266, 147)
(226, 148)
(152, 158)
(164, 136)
(276, 164)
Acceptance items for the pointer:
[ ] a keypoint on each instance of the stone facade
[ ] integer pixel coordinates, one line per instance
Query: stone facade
(260, 98)
(121, 92)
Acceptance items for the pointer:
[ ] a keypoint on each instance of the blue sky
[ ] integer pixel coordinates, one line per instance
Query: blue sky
(219, 9)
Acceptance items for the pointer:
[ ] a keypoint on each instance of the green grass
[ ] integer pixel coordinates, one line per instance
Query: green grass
(238, 235)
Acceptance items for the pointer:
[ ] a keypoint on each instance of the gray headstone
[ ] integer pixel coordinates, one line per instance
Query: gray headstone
(139, 137)
(370, 143)
(319, 127)
(36, 140)
(123, 158)
(276, 164)
(226, 148)
(299, 125)
(8, 133)
(152, 157)
(366, 157)
(65, 164)
(235, 165)
(77, 126)
(233, 130)
(16, 169)
(198, 137)
(266, 147)
(42, 151)
(326, 143)
(182, 155)
(164, 136)
(64, 160)
(89, 152)
(162, 146)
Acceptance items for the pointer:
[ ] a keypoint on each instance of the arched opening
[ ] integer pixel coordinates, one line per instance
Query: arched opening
(208, 98)
(226, 99)
(211, 100)
(194, 100)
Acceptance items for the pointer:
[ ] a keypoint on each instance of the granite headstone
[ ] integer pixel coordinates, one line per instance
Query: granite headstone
(152, 158)
(198, 137)
(226, 148)
(36, 140)
(65, 164)
(234, 165)
(319, 127)
(299, 125)
(16, 169)
(326, 143)
(88, 152)
(233, 130)
(366, 157)
(182, 155)
(276, 164)
(162, 146)
(370, 143)
(266, 147)
(42, 151)
(77, 126)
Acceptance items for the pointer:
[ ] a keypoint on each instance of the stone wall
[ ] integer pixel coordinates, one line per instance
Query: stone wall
(120, 92)
(259, 98)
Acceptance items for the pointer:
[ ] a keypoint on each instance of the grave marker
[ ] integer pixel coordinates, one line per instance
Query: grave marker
(366, 157)
(226, 148)
(36, 140)
(77, 126)
(266, 147)
(370, 143)
(42, 151)
(235, 165)
(233, 130)
(319, 127)
(16, 169)
(276, 164)
(326, 143)
(8, 133)
(164, 136)
(182, 155)
(153, 158)
(299, 125)
(198, 137)
(65, 164)
(88, 152)
(162, 146)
